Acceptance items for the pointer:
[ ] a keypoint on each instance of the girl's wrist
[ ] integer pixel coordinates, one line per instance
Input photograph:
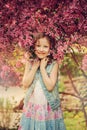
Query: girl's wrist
(42, 68)
(34, 68)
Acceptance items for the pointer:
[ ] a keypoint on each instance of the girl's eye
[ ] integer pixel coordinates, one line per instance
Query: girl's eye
(46, 46)
(38, 45)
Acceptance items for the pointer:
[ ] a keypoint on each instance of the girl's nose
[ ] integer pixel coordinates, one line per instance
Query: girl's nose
(41, 49)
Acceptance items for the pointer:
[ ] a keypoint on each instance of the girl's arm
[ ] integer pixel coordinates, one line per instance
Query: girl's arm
(49, 81)
(29, 73)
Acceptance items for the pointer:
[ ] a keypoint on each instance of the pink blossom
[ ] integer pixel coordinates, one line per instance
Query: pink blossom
(18, 64)
(7, 5)
(9, 77)
(2, 75)
(83, 41)
(5, 68)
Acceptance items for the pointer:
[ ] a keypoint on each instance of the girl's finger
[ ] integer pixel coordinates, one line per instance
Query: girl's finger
(46, 59)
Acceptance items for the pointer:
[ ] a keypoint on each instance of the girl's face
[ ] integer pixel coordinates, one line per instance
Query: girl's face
(42, 48)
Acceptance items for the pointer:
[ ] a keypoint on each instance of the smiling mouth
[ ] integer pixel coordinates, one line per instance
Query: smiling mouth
(41, 53)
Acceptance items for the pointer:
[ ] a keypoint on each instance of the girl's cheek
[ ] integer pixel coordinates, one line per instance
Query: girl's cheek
(37, 48)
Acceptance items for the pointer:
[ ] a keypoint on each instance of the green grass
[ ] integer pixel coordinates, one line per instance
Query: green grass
(74, 122)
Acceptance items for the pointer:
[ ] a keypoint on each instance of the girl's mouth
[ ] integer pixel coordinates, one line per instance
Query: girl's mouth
(42, 53)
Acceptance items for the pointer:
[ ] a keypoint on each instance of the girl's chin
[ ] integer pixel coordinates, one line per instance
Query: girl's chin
(41, 57)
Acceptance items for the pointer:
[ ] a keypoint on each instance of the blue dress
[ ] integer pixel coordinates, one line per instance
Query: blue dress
(37, 112)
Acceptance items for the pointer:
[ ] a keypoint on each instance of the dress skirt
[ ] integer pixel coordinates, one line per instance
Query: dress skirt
(38, 114)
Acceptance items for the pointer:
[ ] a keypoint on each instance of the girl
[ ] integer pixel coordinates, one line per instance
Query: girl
(41, 109)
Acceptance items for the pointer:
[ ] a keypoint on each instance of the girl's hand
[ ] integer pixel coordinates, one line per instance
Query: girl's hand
(44, 62)
(27, 55)
(36, 64)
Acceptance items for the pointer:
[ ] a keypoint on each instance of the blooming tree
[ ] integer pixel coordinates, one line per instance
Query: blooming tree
(20, 19)
(66, 21)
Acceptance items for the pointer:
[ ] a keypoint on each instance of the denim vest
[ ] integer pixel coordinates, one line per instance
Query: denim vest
(52, 97)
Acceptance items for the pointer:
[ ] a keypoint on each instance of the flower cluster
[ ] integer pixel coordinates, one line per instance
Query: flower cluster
(57, 18)
(8, 77)
(64, 20)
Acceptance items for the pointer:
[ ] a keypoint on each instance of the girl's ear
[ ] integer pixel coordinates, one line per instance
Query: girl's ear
(48, 54)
